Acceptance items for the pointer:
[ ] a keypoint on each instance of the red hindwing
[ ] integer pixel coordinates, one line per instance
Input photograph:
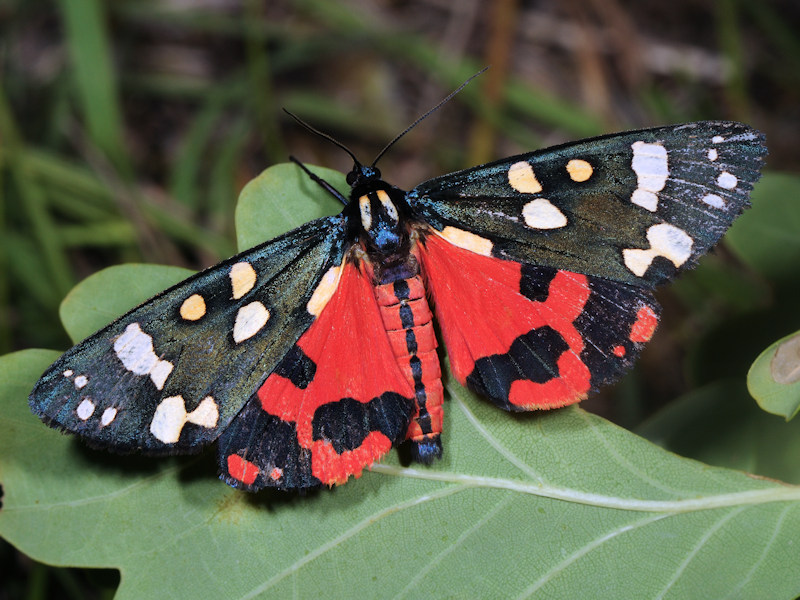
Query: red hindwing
(336, 404)
(483, 313)
(532, 337)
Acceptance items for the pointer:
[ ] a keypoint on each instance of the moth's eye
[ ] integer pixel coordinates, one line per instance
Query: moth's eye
(388, 205)
(366, 212)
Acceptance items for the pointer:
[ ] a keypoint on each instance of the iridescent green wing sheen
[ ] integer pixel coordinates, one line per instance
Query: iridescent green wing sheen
(632, 207)
(172, 373)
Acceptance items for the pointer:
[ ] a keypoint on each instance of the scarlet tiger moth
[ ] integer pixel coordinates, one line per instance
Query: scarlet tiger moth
(307, 357)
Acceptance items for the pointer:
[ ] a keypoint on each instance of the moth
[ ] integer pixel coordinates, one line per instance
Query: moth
(307, 357)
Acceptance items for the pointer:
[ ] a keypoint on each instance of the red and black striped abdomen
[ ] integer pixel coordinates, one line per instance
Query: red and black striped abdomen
(407, 319)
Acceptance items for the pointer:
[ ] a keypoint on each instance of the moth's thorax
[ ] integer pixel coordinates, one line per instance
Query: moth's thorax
(382, 228)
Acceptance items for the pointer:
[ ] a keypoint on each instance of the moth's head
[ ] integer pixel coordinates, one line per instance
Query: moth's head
(362, 175)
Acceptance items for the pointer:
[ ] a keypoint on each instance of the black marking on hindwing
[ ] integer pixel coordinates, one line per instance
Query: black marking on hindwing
(347, 422)
(532, 356)
(297, 367)
(268, 442)
(605, 323)
(535, 282)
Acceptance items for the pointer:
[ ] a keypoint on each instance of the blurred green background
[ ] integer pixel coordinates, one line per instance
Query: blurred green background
(128, 128)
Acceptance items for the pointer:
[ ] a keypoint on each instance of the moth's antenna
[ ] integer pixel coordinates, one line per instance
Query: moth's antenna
(321, 182)
(323, 135)
(426, 115)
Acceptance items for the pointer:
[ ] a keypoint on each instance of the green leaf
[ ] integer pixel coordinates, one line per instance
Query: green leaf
(547, 505)
(282, 198)
(774, 378)
(765, 237)
(107, 294)
(720, 424)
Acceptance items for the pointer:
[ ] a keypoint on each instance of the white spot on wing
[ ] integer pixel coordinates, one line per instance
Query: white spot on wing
(85, 409)
(249, 321)
(714, 201)
(650, 165)
(170, 417)
(543, 214)
(68, 373)
(160, 372)
(717, 139)
(108, 416)
(645, 199)
(324, 291)
(206, 414)
(665, 240)
(135, 349)
(712, 154)
(243, 278)
(81, 381)
(468, 240)
(727, 180)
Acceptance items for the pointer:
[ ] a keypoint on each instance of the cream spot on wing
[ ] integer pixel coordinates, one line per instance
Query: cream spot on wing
(366, 212)
(727, 180)
(717, 139)
(135, 349)
(171, 416)
(249, 321)
(712, 154)
(108, 416)
(324, 291)
(650, 165)
(81, 381)
(542, 214)
(85, 409)
(68, 373)
(714, 201)
(243, 278)
(579, 170)
(665, 240)
(193, 308)
(468, 240)
(522, 178)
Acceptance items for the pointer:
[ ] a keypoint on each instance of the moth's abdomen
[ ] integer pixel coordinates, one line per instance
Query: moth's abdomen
(408, 322)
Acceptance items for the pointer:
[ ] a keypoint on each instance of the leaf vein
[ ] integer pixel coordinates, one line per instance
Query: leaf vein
(347, 534)
(697, 547)
(585, 549)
